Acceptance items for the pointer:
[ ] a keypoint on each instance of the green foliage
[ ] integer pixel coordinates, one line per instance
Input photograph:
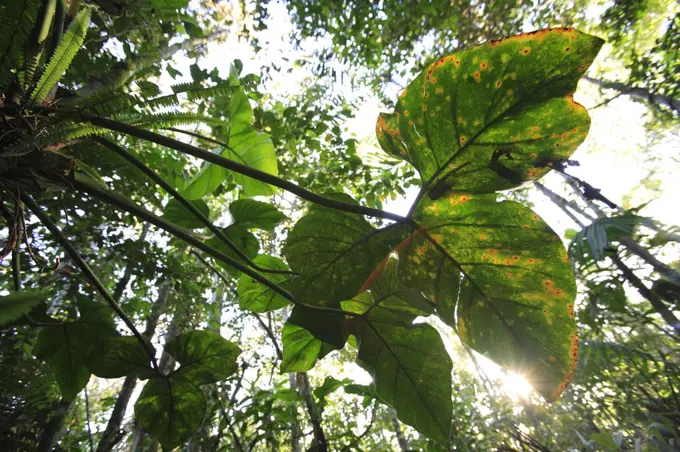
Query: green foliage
(335, 252)
(16, 304)
(255, 214)
(204, 356)
(172, 407)
(18, 18)
(63, 55)
(255, 296)
(67, 347)
(119, 356)
(176, 213)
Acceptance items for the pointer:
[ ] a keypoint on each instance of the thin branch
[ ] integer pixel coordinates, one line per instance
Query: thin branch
(266, 327)
(656, 302)
(87, 417)
(145, 215)
(182, 200)
(80, 262)
(231, 165)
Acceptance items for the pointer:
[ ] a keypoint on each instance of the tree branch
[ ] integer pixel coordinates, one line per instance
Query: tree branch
(80, 262)
(638, 93)
(182, 200)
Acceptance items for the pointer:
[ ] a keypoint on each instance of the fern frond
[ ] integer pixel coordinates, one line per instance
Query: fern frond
(172, 119)
(63, 55)
(62, 132)
(106, 103)
(195, 91)
(18, 18)
(170, 100)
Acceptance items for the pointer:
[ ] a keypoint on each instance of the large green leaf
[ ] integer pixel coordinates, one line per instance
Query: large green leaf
(410, 366)
(16, 304)
(256, 150)
(119, 356)
(255, 214)
(493, 116)
(204, 356)
(255, 296)
(205, 181)
(301, 350)
(243, 239)
(171, 409)
(66, 347)
(176, 213)
(501, 276)
(335, 252)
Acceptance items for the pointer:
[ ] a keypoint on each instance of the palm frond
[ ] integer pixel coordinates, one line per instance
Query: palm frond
(63, 55)
(18, 18)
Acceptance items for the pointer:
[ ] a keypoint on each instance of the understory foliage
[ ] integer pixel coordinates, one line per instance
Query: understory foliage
(230, 252)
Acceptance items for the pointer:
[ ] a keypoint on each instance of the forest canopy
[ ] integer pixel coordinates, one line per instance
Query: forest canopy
(339, 225)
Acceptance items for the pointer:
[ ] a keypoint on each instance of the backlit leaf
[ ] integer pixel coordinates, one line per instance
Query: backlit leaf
(16, 304)
(171, 409)
(204, 356)
(255, 214)
(507, 277)
(335, 252)
(492, 117)
(181, 216)
(120, 356)
(255, 296)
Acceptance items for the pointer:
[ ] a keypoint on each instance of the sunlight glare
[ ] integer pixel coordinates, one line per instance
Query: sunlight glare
(516, 386)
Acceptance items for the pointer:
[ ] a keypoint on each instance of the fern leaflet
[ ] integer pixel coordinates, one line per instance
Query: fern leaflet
(63, 55)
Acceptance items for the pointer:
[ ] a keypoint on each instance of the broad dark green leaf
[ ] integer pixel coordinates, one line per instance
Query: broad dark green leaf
(116, 357)
(244, 241)
(301, 348)
(506, 276)
(171, 409)
(181, 216)
(492, 117)
(205, 356)
(335, 252)
(66, 347)
(255, 214)
(255, 296)
(16, 304)
(410, 366)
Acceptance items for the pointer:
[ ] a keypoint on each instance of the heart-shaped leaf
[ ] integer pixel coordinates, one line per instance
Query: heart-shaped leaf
(171, 409)
(335, 252)
(204, 356)
(255, 214)
(255, 296)
(494, 116)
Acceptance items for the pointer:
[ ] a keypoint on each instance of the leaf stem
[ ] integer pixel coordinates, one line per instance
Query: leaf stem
(80, 262)
(213, 158)
(182, 200)
(84, 185)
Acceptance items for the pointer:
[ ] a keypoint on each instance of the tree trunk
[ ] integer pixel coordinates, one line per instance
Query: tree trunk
(295, 428)
(112, 435)
(638, 93)
(312, 409)
(403, 443)
(54, 427)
